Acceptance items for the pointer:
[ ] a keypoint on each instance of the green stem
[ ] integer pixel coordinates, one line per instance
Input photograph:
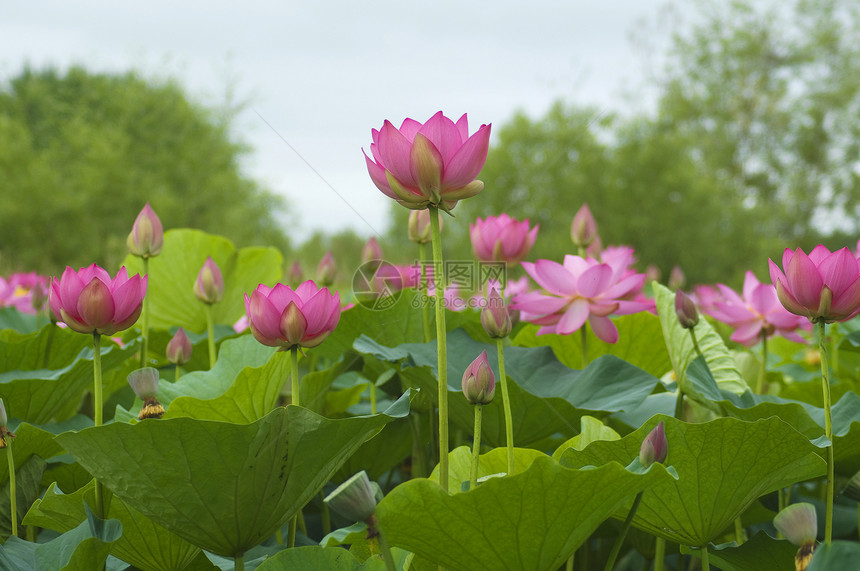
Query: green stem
(762, 376)
(584, 342)
(372, 387)
(476, 447)
(706, 560)
(97, 410)
(325, 515)
(294, 375)
(619, 541)
(13, 496)
(419, 464)
(279, 536)
(210, 328)
(828, 431)
(239, 563)
(696, 343)
(506, 405)
(291, 531)
(739, 531)
(568, 566)
(177, 373)
(144, 347)
(423, 288)
(659, 554)
(442, 346)
(386, 552)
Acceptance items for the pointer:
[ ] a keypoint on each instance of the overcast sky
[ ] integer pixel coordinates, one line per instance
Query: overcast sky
(323, 74)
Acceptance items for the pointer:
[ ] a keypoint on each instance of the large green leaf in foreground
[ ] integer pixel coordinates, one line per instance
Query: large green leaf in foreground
(223, 487)
(723, 466)
(532, 521)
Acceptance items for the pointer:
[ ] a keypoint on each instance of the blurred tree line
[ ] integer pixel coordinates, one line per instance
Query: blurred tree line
(81, 153)
(753, 147)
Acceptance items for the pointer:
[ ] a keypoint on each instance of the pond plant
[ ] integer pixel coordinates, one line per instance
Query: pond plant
(218, 413)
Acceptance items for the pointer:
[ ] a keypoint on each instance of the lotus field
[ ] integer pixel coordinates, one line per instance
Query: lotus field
(197, 409)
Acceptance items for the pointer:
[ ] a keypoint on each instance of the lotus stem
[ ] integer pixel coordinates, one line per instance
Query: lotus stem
(144, 334)
(13, 497)
(619, 541)
(476, 447)
(828, 431)
(706, 563)
(97, 410)
(692, 331)
(659, 554)
(177, 372)
(294, 375)
(441, 344)
(325, 515)
(210, 329)
(739, 531)
(372, 388)
(239, 562)
(762, 377)
(506, 405)
(423, 287)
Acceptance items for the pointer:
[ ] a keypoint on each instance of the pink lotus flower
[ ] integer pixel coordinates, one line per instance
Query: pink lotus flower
(23, 291)
(418, 227)
(209, 286)
(327, 270)
(583, 229)
(495, 317)
(755, 314)
(282, 317)
(823, 286)
(502, 239)
(89, 301)
(655, 447)
(147, 235)
(580, 290)
(431, 164)
(479, 381)
(179, 348)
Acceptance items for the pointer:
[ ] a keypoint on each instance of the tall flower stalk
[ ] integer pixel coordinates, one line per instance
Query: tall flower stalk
(145, 241)
(441, 346)
(479, 387)
(209, 288)
(823, 287)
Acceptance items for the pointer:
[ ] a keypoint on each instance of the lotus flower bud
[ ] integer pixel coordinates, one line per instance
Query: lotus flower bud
(677, 279)
(209, 287)
(144, 383)
(295, 276)
(652, 273)
(583, 230)
(326, 270)
(495, 317)
(479, 381)
(372, 251)
(655, 447)
(685, 309)
(799, 524)
(419, 226)
(147, 235)
(179, 348)
(355, 499)
(4, 432)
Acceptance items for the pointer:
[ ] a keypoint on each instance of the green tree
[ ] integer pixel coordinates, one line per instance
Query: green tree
(81, 153)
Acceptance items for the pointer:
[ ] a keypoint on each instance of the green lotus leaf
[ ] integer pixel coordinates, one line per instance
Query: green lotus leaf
(723, 465)
(223, 487)
(532, 521)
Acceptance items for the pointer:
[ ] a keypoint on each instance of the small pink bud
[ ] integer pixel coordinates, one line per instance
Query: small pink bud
(686, 310)
(479, 381)
(147, 235)
(652, 273)
(209, 287)
(495, 317)
(179, 348)
(419, 226)
(4, 432)
(655, 447)
(372, 251)
(326, 270)
(583, 230)
(677, 279)
(295, 275)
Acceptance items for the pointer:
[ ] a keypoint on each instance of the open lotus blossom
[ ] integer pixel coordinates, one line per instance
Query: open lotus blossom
(580, 290)
(89, 301)
(823, 286)
(757, 313)
(285, 318)
(434, 163)
(502, 239)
